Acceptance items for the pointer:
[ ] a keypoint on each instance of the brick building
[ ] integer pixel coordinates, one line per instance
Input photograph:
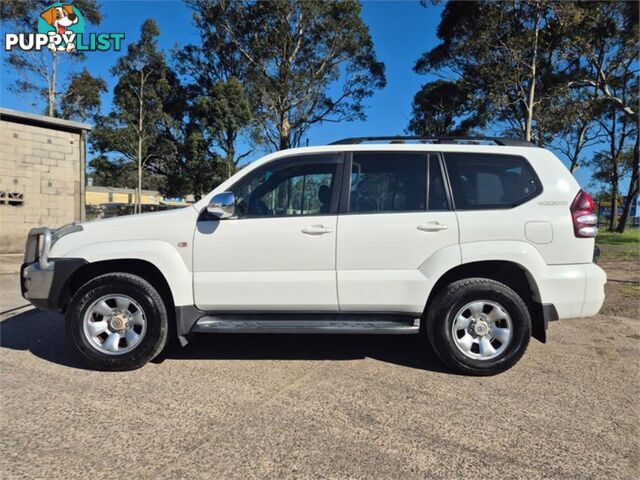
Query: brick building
(42, 169)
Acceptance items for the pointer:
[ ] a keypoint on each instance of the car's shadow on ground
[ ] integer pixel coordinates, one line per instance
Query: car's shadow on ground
(42, 333)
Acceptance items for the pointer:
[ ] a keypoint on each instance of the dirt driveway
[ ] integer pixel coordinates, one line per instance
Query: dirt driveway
(322, 407)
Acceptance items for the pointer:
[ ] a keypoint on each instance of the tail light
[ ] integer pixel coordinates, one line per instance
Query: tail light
(583, 214)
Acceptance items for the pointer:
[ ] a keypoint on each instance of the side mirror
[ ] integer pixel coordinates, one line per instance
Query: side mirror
(222, 205)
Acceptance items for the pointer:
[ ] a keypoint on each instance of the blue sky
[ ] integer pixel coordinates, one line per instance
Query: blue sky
(401, 30)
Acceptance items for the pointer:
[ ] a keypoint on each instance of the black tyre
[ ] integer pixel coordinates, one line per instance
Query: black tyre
(478, 326)
(117, 321)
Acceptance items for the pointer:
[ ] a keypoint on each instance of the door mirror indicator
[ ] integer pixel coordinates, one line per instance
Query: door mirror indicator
(222, 205)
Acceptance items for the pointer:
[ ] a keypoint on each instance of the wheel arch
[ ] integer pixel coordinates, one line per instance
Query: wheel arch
(512, 274)
(141, 268)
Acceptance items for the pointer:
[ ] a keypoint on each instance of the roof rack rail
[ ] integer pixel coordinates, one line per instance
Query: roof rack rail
(502, 141)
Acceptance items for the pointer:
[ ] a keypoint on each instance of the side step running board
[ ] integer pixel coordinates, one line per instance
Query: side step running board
(236, 325)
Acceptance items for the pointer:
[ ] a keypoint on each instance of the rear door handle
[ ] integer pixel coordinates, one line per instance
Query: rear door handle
(432, 227)
(317, 230)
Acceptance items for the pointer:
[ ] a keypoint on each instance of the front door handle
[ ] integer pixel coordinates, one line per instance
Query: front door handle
(432, 227)
(317, 230)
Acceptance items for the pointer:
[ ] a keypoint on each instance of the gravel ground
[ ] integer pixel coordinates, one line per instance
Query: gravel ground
(622, 289)
(266, 406)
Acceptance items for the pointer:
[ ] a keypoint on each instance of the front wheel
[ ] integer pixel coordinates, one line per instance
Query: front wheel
(478, 326)
(117, 321)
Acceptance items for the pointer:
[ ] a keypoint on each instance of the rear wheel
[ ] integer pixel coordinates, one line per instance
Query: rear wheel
(117, 321)
(478, 326)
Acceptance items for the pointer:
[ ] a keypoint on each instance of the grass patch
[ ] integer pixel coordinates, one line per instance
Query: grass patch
(631, 290)
(617, 246)
(629, 237)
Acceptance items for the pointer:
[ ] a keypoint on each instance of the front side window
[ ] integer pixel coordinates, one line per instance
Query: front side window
(303, 189)
(387, 182)
(483, 181)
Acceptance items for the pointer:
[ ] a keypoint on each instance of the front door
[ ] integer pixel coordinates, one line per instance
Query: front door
(396, 220)
(278, 252)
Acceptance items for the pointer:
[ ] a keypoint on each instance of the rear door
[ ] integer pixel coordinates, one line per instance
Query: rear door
(394, 215)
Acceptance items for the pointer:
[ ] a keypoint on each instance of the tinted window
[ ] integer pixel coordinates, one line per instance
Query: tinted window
(483, 181)
(296, 190)
(387, 182)
(437, 194)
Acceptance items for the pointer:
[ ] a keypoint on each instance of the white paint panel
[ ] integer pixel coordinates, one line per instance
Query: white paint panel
(563, 286)
(152, 237)
(403, 291)
(265, 263)
(250, 291)
(379, 257)
(596, 278)
(159, 253)
(567, 287)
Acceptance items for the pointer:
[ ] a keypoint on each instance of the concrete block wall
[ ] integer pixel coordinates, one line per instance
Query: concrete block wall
(44, 165)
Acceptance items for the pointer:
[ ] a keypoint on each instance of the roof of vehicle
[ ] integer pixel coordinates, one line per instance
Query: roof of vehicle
(456, 140)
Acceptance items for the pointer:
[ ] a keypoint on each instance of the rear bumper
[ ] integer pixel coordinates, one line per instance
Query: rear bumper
(595, 279)
(574, 290)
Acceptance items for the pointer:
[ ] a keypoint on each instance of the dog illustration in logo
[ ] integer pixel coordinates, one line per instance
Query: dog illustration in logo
(60, 18)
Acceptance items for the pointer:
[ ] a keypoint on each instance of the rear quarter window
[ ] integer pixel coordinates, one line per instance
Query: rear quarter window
(482, 181)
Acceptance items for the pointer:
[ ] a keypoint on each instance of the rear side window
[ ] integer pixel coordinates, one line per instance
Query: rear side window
(388, 182)
(489, 181)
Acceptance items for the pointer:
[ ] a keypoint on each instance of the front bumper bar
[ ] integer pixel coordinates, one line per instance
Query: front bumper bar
(36, 274)
(43, 279)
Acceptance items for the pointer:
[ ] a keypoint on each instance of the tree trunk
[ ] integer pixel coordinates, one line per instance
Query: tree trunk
(614, 172)
(229, 165)
(52, 85)
(578, 147)
(284, 131)
(140, 125)
(230, 153)
(633, 189)
(532, 85)
(614, 207)
(574, 165)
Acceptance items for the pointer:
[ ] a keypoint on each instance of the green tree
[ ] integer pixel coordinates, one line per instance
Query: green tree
(223, 111)
(111, 173)
(442, 108)
(302, 62)
(219, 100)
(39, 72)
(612, 164)
(195, 168)
(82, 98)
(136, 127)
(605, 40)
(573, 120)
(503, 53)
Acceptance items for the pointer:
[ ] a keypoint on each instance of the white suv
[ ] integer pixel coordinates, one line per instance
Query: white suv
(476, 244)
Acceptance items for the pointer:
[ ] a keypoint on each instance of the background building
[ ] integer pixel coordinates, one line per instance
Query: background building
(604, 209)
(104, 202)
(42, 165)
